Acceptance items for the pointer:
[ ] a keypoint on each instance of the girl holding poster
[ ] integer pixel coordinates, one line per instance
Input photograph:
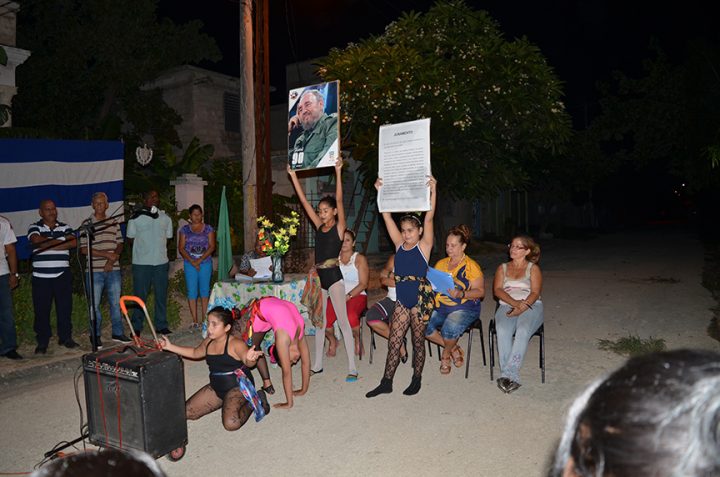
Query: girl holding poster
(329, 222)
(413, 244)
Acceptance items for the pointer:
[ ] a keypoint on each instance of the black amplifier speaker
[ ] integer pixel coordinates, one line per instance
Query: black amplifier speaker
(135, 399)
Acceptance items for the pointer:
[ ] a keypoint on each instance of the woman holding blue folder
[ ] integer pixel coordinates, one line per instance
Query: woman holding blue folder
(457, 307)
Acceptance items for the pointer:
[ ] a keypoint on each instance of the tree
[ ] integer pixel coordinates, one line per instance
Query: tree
(90, 58)
(495, 104)
(668, 119)
(4, 108)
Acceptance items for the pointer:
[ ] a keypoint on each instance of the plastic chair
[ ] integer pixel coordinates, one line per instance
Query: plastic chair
(475, 325)
(492, 344)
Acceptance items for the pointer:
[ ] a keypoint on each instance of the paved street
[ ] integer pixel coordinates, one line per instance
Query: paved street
(645, 283)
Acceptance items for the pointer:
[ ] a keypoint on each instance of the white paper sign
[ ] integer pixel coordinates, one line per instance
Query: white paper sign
(261, 266)
(404, 166)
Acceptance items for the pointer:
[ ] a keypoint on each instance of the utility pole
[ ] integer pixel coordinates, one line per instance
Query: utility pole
(262, 107)
(247, 123)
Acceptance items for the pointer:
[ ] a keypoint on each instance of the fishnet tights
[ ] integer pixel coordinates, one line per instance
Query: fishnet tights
(235, 408)
(402, 319)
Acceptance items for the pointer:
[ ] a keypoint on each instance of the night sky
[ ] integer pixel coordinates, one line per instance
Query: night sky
(583, 40)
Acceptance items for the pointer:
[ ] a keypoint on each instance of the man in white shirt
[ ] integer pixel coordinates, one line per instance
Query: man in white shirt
(9, 280)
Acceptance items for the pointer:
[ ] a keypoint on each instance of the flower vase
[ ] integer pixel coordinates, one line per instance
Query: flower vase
(277, 273)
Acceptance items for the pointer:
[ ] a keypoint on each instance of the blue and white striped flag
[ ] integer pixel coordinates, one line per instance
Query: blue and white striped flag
(68, 172)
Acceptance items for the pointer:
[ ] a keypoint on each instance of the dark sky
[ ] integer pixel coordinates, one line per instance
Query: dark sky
(583, 40)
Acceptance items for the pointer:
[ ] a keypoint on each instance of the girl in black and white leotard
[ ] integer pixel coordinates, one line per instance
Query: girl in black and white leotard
(224, 354)
(329, 222)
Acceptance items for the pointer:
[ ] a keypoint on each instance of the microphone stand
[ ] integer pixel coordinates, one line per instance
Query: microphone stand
(88, 228)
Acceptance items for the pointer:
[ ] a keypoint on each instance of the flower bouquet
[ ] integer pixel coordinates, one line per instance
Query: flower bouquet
(275, 239)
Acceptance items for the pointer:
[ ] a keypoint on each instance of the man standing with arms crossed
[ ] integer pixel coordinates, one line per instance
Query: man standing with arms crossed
(51, 276)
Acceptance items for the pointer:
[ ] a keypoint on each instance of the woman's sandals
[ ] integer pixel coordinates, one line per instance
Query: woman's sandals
(445, 366)
(458, 356)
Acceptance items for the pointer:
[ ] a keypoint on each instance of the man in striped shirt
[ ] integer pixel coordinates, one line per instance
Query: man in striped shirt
(51, 276)
(106, 249)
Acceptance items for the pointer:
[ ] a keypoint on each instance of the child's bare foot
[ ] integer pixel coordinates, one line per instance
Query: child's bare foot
(332, 349)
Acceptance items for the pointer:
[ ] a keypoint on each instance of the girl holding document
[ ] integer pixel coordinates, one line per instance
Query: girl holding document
(413, 244)
(457, 306)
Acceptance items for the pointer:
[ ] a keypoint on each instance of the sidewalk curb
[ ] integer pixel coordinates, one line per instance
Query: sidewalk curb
(66, 365)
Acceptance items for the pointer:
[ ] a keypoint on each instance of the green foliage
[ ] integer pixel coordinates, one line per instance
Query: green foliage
(633, 345)
(228, 173)
(495, 104)
(90, 59)
(165, 166)
(668, 119)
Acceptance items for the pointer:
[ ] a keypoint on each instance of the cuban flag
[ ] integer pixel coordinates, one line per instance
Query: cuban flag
(67, 172)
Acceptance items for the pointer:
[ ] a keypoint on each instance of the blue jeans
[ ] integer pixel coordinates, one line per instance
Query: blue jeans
(451, 325)
(512, 351)
(144, 277)
(8, 337)
(111, 282)
(198, 282)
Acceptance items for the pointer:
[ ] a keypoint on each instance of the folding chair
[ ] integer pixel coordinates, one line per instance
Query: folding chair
(492, 344)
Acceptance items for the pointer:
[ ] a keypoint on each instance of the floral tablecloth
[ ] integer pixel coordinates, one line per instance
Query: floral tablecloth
(240, 293)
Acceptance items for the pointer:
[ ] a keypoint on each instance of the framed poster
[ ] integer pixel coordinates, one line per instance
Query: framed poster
(313, 126)
(404, 166)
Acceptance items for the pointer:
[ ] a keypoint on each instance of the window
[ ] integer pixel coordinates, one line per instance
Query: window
(231, 106)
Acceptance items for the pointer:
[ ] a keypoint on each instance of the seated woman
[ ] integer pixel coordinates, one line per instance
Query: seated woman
(655, 416)
(355, 272)
(281, 316)
(378, 316)
(231, 385)
(244, 266)
(458, 308)
(517, 286)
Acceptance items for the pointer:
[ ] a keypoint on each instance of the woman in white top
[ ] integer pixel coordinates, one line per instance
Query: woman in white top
(355, 272)
(517, 286)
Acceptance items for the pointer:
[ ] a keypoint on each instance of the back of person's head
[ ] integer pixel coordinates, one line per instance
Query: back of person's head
(658, 415)
(103, 463)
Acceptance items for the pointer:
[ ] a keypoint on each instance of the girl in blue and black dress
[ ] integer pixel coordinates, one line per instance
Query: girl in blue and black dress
(413, 244)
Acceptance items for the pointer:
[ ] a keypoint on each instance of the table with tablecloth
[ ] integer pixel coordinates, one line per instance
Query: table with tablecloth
(239, 293)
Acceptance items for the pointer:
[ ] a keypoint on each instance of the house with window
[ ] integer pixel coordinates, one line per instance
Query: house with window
(209, 104)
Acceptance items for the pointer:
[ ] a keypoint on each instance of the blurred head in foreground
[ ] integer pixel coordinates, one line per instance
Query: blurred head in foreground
(658, 415)
(102, 463)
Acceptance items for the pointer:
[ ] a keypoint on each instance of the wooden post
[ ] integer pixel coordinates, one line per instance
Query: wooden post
(262, 108)
(247, 123)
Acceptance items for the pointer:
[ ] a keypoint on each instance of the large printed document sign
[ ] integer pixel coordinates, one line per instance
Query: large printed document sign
(404, 166)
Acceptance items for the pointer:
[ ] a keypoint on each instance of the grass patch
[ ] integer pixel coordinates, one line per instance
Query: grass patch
(711, 281)
(633, 345)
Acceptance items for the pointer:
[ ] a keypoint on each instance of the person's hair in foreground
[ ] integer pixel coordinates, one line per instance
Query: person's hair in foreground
(103, 462)
(658, 415)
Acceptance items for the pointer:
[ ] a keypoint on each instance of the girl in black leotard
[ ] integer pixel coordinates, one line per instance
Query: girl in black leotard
(329, 222)
(224, 355)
